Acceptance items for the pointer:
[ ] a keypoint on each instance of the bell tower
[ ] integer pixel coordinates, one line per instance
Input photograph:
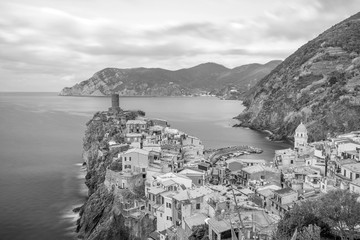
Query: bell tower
(301, 138)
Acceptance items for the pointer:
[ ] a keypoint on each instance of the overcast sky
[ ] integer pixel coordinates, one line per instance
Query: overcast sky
(46, 45)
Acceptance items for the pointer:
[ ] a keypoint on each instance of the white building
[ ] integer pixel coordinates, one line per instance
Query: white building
(135, 160)
(355, 186)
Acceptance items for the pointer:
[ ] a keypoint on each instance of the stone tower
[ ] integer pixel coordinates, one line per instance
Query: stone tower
(301, 138)
(115, 108)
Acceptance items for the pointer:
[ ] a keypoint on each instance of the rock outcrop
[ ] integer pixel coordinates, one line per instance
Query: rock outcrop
(319, 85)
(103, 215)
(160, 82)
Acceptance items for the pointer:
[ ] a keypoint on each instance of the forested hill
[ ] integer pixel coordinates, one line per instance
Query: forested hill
(319, 85)
(207, 77)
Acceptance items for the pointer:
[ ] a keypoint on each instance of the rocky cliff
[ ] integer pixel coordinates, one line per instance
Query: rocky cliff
(161, 82)
(103, 216)
(319, 85)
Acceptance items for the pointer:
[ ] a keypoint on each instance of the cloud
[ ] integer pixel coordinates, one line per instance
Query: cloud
(64, 41)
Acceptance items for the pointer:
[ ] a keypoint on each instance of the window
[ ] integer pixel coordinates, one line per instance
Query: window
(351, 175)
(199, 181)
(344, 172)
(168, 205)
(125, 159)
(143, 169)
(198, 206)
(129, 158)
(292, 162)
(160, 214)
(357, 176)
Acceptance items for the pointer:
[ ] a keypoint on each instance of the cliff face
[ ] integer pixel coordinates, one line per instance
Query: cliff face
(103, 215)
(319, 85)
(160, 82)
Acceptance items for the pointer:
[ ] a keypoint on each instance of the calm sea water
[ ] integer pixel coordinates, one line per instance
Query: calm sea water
(41, 179)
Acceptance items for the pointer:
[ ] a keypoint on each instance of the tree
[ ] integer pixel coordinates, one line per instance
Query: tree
(300, 217)
(341, 211)
(199, 232)
(336, 212)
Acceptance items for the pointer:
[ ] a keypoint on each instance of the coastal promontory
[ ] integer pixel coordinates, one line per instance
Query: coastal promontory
(318, 85)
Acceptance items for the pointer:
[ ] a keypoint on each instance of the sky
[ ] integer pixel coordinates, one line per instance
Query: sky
(46, 45)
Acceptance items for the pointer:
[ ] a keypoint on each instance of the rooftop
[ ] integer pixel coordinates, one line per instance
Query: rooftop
(343, 162)
(135, 122)
(133, 135)
(246, 191)
(156, 190)
(168, 194)
(258, 168)
(355, 167)
(241, 160)
(266, 192)
(284, 191)
(168, 183)
(257, 217)
(301, 128)
(288, 151)
(193, 193)
(356, 182)
(137, 150)
(156, 128)
(188, 171)
(204, 164)
(195, 220)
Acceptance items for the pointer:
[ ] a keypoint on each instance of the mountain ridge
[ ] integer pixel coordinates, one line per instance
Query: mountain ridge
(202, 78)
(319, 85)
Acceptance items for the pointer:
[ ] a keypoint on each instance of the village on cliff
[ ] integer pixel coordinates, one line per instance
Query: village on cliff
(187, 186)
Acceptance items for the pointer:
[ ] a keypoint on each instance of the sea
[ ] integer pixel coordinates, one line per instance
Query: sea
(41, 134)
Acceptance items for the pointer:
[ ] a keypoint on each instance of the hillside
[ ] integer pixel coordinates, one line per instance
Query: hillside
(161, 82)
(319, 85)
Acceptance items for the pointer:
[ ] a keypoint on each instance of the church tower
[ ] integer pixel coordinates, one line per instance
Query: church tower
(301, 138)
